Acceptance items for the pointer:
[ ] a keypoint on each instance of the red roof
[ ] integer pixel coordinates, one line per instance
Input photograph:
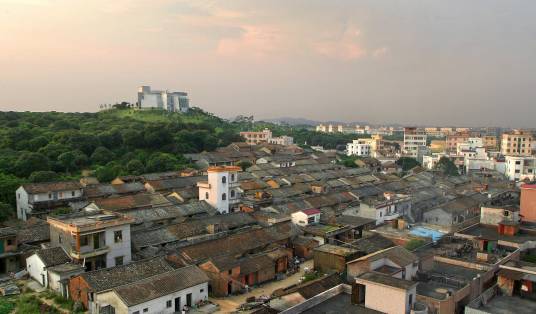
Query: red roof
(528, 186)
(311, 211)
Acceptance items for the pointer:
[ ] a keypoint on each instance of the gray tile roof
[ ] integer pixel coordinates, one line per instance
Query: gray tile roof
(109, 278)
(160, 285)
(53, 256)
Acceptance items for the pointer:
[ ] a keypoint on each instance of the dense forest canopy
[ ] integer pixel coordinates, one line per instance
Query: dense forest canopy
(49, 146)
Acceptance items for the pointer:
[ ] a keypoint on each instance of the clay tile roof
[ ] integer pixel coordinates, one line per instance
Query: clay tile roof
(161, 285)
(53, 256)
(45, 187)
(311, 211)
(109, 278)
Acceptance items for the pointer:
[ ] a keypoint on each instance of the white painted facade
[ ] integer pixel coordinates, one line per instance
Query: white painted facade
(282, 140)
(302, 219)
(170, 101)
(25, 200)
(118, 249)
(158, 305)
(37, 270)
(358, 147)
(413, 140)
(221, 189)
(519, 168)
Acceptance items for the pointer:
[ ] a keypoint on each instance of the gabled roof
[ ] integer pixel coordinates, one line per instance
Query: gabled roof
(161, 285)
(398, 255)
(140, 200)
(311, 211)
(387, 280)
(45, 187)
(109, 278)
(53, 256)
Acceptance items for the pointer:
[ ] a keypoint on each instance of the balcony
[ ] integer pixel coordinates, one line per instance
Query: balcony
(87, 252)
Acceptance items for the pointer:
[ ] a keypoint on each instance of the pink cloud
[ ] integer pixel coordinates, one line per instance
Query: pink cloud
(345, 48)
(257, 41)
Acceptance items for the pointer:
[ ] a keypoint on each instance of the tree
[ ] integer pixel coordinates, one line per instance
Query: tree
(159, 162)
(108, 172)
(447, 167)
(31, 162)
(244, 164)
(8, 185)
(6, 211)
(43, 176)
(102, 156)
(407, 163)
(67, 161)
(135, 167)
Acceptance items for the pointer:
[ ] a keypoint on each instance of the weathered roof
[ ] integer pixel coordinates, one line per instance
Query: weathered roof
(108, 278)
(7, 231)
(372, 244)
(132, 201)
(253, 264)
(161, 285)
(103, 190)
(396, 254)
(175, 183)
(53, 256)
(387, 280)
(311, 211)
(239, 242)
(336, 250)
(45, 187)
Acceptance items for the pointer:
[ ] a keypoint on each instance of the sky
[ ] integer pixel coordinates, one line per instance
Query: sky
(424, 62)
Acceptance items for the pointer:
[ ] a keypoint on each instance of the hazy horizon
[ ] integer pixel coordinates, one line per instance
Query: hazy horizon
(422, 62)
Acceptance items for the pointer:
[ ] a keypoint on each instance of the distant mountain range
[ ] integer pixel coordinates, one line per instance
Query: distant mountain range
(302, 121)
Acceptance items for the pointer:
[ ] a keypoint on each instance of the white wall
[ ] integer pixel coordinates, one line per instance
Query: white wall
(36, 268)
(22, 203)
(122, 248)
(157, 305)
(376, 296)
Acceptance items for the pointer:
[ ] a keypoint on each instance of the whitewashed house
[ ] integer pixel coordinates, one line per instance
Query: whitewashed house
(221, 188)
(39, 263)
(164, 293)
(306, 217)
(39, 199)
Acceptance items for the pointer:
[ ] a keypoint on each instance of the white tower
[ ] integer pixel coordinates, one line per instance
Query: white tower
(221, 189)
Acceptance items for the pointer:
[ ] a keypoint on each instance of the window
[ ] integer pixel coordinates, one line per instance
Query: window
(137, 312)
(232, 177)
(72, 193)
(59, 238)
(118, 236)
(84, 240)
(168, 303)
(232, 193)
(224, 179)
(49, 195)
(201, 290)
(206, 195)
(9, 242)
(18, 195)
(223, 197)
(230, 271)
(119, 261)
(145, 310)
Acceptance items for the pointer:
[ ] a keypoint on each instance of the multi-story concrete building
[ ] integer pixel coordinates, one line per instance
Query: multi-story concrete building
(165, 100)
(221, 189)
(517, 143)
(254, 138)
(519, 168)
(97, 240)
(456, 138)
(413, 139)
(282, 140)
(365, 146)
(39, 199)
